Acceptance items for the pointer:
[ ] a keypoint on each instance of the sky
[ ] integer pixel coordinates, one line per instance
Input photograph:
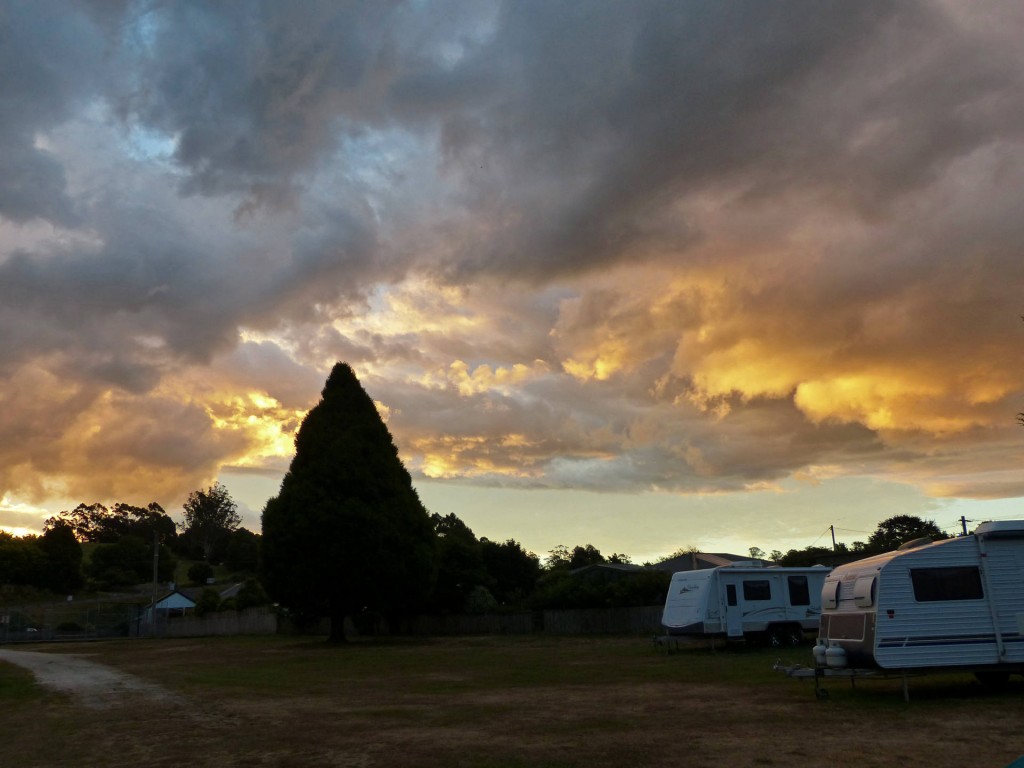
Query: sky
(644, 275)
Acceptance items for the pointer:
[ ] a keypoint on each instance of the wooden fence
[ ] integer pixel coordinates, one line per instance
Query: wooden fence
(251, 621)
(588, 621)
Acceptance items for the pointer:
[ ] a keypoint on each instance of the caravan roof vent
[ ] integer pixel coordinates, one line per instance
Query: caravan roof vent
(914, 543)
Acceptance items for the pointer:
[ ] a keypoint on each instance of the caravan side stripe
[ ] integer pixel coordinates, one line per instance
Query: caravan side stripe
(917, 642)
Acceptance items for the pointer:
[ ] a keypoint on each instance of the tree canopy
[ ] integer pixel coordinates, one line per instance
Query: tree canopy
(475, 573)
(63, 559)
(460, 563)
(888, 535)
(899, 529)
(347, 533)
(96, 524)
(210, 518)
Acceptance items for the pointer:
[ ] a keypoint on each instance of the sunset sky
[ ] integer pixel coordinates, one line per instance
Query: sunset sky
(645, 275)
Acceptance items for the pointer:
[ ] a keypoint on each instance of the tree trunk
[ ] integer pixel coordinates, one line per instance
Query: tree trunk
(337, 633)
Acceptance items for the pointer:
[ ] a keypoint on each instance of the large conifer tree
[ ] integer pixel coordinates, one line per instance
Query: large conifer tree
(347, 532)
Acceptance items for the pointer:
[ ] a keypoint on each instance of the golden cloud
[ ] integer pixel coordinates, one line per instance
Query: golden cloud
(452, 456)
(484, 378)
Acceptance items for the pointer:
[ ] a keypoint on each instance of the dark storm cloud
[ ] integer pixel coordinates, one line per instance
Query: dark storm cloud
(259, 92)
(48, 56)
(586, 120)
(603, 115)
(150, 292)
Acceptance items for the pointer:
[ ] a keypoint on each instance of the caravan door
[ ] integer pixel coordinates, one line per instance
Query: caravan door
(1004, 563)
(733, 612)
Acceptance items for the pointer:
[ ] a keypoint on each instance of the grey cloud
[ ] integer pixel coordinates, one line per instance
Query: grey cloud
(265, 367)
(256, 93)
(105, 304)
(49, 55)
(151, 292)
(32, 185)
(613, 112)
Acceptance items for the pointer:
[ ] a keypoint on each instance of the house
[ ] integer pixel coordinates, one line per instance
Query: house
(172, 604)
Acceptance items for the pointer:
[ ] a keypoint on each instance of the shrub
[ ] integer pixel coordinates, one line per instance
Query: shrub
(198, 573)
(208, 602)
(251, 594)
(480, 601)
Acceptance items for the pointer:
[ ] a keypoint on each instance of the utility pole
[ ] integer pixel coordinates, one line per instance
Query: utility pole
(832, 528)
(156, 569)
(963, 524)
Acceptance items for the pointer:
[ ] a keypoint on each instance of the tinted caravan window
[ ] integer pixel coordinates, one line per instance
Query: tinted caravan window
(935, 584)
(799, 593)
(757, 590)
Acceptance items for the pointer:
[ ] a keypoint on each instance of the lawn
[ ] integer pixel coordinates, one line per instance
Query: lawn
(498, 701)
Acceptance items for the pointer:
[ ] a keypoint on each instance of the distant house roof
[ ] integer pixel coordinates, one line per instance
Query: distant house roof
(616, 568)
(696, 561)
(232, 591)
(222, 592)
(174, 599)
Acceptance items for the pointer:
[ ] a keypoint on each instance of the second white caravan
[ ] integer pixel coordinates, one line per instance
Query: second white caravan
(740, 601)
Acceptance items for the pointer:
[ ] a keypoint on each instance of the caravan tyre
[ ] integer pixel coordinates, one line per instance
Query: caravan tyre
(783, 635)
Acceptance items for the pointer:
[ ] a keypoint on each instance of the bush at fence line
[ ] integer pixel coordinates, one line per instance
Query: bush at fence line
(250, 595)
(208, 602)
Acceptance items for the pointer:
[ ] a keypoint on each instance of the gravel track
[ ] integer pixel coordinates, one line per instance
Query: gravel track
(95, 685)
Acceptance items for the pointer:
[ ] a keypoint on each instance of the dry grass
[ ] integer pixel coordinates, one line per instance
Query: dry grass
(497, 702)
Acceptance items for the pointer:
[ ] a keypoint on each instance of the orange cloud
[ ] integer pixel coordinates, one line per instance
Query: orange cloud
(485, 378)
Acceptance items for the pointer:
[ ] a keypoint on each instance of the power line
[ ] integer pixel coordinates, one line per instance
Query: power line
(821, 534)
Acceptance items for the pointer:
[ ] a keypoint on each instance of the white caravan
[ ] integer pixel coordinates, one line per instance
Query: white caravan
(952, 603)
(740, 600)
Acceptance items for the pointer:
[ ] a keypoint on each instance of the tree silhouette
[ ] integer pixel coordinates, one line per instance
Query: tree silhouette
(347, 533)
(210, 518)
(63, 558)
(900, 529)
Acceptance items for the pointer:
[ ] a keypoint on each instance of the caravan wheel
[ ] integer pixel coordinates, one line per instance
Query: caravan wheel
(795, 636)
(994, 679)
(785, 635)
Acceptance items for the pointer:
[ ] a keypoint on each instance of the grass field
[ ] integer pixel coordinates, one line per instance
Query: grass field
(509, 701)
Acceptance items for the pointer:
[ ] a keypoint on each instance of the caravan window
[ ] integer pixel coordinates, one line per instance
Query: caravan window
(957, 583)
(799, 593)
(864, 592)
(757, 590)
(830, 594)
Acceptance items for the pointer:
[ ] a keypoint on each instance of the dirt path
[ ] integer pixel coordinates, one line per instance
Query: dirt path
(94, 685)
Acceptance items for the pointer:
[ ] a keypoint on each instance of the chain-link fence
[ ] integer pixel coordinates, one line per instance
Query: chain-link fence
(74, 620)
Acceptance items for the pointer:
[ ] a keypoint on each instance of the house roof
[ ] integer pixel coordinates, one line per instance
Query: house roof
(613, 567)
(696, 561)
(232, 591)
(174, 599)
